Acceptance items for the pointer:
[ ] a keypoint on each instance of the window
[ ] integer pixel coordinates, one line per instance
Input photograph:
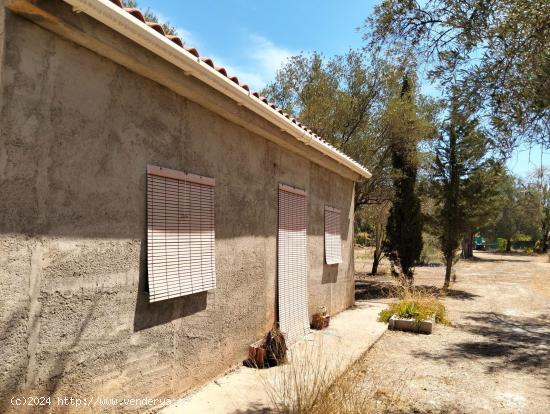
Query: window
(333, 245)
(292, 263)
(180, 233)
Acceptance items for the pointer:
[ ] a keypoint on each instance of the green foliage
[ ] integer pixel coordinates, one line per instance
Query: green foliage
(522, 237)
(417, 308)
(501, 244)
(520, 211)
(540, 182)
(496, 51)
(483, 195)
(350, 101)
(404, 227)
(356, 102)
(460, 183)
(361, 239)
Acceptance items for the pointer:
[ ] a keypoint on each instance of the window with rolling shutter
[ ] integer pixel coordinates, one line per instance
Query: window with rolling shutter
(180, 233)
(292, 263)
(333, 245)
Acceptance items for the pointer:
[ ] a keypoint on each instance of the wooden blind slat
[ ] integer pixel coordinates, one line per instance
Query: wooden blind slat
(180, 233)
(292, 264)
(333, 244)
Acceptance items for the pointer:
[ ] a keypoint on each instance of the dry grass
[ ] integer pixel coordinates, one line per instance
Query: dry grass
(311, 384)
(418, 304)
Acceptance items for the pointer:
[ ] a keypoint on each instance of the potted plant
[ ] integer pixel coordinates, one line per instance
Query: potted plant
(414, 314)
(321, 319)
(268, 351)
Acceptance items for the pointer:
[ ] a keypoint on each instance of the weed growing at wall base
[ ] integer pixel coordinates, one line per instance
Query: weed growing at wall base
(312, 383)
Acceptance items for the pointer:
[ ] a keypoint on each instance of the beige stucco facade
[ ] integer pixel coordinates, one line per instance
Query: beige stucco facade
(78, 129)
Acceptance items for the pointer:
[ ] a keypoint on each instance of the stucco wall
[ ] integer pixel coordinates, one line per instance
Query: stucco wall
(77, 132)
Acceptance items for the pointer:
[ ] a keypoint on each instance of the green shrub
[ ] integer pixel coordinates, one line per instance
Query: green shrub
(362, 239)
(501, 244)
(418, 306)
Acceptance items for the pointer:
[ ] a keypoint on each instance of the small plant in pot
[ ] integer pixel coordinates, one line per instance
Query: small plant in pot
(268, 351)
(416, 312)
(321, 319)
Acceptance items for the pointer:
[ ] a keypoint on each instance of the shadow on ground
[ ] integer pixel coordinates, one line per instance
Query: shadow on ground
(368, 288)
(504, 257)
(515, 343)
(255, 409)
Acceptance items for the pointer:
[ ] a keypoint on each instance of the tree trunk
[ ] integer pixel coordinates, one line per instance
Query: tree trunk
(394, 272)
(544, 246)
(468, 247)
(375, 262)
(448, 271)
(409, 277)
(508, 245)
(378, 241)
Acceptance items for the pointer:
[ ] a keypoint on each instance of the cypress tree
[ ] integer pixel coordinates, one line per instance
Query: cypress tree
(404, 227)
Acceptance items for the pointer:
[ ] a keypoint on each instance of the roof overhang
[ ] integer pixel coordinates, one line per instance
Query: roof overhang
(124, 23)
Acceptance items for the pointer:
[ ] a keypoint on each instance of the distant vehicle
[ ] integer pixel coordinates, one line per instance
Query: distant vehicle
(479, 243)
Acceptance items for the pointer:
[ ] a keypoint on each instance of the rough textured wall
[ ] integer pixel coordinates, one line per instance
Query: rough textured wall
(77, 134)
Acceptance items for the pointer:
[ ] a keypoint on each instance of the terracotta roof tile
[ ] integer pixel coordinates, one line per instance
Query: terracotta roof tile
(193, 51)
(208, 61)
(136, 13)
(175, 39)
(222, 71)
(178, 41)
(157, 27)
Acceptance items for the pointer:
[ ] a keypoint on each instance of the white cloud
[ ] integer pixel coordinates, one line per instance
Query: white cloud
(188, 38)
(268, 56)
(258, 63)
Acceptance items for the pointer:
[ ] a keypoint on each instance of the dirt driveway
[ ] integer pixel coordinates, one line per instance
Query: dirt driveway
(496, 357)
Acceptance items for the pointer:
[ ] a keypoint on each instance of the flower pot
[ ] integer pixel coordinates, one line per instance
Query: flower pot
(257, 354)
(411, 325)
(320, 321)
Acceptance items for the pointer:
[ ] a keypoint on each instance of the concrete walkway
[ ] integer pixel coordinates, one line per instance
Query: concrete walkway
(350, 335)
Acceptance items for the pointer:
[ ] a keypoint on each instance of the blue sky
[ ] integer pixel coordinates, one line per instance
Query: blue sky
(252, 38)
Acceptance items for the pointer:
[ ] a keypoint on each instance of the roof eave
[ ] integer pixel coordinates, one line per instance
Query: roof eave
(125, 24)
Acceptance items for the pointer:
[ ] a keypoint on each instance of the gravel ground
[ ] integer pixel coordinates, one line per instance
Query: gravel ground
(496, 356)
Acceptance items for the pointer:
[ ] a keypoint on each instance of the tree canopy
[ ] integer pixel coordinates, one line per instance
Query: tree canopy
(461, 181)
(497, 52)
(349, 100)
(404, 227)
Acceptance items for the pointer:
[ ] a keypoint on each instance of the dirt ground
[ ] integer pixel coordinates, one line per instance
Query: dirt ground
(496, 356)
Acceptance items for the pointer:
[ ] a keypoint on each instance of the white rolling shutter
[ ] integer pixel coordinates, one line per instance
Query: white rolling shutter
(180, 233)
(333, 244)
(292, 263)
